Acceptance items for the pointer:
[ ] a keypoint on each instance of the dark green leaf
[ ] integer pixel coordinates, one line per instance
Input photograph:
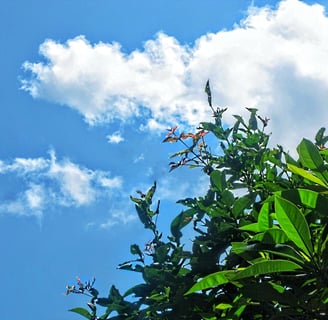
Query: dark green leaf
(242, 204)
(218, 180)
(83, 312)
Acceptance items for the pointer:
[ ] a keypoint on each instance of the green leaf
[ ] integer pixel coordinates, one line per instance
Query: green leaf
(115, 294)
(293, 222)
(253, 227)
(228, 198)
(150, 193)
(274, 236)
(242, 203)
(218, 180)
(264, 267)
(288, 252)
(309, 155)
(104, 302)
(138, 290)
(305, 197)
(223, 306)
(161, 253)
(210, 281)
(180, 221)
(143, 216)
(83, 312)
(310, 158)
(134, 249)
(319, 136)
(306, 174)
(264, 220)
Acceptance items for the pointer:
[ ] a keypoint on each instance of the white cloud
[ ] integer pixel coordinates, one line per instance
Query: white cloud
(115, 137)
(274, 60)
(141, 157)
(24, 166)
(52, 182)
(118, 217)
(175, 187)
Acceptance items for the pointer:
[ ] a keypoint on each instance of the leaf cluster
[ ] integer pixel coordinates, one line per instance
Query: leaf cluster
(260, 246)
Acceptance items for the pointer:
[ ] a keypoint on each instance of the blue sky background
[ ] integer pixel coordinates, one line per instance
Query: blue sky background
(88, 89)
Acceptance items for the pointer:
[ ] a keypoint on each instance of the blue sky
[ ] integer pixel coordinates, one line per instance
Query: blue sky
(88, 90)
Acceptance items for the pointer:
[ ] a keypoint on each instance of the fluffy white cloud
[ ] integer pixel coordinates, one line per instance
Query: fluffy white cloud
(115, 137)
(50, 182)
(273, 60)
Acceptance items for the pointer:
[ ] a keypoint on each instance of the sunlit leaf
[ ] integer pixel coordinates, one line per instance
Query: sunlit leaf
(310, 158)
(293, 222)
(264, 267)
(210, 281)
(309, 155)
(264, 219)
(306, 174)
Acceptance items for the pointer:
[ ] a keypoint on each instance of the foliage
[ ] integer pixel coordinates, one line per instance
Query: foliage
(260, 249)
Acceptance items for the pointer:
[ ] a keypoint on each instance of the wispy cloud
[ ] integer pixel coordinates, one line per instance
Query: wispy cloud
(272, 60)
(141, 157)
(48, 182)
(119, 217)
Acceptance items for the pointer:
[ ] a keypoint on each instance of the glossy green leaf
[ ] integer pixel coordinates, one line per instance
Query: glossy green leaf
(265, 267)
(223, 306)
(306, 174)
(310, 158)
(83, 312)
(253, 227)
(293, 222)
(305, 197)
(264, 220)
(309, 155)
(210, 281)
